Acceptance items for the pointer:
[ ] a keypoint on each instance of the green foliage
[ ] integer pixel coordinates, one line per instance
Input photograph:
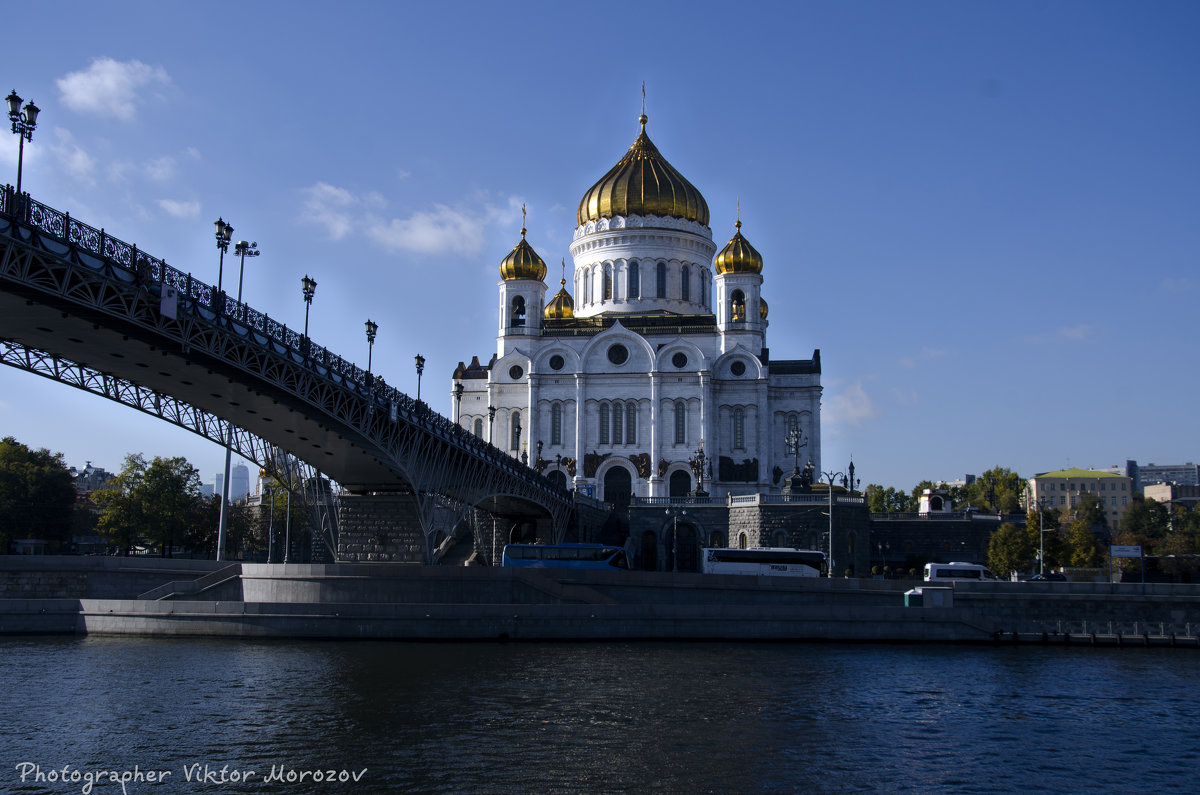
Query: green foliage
(888, 500)
(1009, 550)
(37, 495)
(1082, 550)
(156, 503)
(1146, 520)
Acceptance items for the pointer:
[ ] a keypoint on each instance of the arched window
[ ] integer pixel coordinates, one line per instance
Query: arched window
(680, 422)
(618, 415)
(604, 420)
(662, 280)
(518, 312)
(515, 426)
(631, 423)
(479, 428)
(586, 285)
(635, 281)
(556, 424)
(737, 307)
(704, 287)
(739, 429)
(793, 423)
(607, 282)
(685, 283)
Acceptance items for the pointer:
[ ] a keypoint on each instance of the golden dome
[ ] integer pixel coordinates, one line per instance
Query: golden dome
(522, 262)
(561, 306)
(739, 256)
(642, 183)
(762, 308)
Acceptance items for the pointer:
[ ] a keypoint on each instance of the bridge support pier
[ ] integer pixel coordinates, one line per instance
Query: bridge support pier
(380, 527)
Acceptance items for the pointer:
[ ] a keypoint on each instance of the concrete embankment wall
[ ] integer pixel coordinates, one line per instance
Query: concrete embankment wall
(391, 600)
(94, 577)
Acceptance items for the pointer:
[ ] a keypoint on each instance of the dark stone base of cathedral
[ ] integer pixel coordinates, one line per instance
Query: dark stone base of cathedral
(412, 602)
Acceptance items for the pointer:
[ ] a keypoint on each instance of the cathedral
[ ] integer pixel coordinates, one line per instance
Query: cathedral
(655, 379)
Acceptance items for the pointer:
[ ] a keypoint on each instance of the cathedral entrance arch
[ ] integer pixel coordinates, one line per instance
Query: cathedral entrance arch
(680, 483)
(558, 478)
(618, 487)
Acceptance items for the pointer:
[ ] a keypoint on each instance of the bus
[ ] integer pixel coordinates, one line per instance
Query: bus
(565, 556)
(957, 572)
(763, 561)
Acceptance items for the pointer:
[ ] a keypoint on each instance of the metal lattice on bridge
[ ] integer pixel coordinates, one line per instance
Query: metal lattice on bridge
(84, 308)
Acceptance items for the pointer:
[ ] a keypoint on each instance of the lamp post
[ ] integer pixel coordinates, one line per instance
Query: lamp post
(831, 476)
(674, 514)
(23, 125)
(420, 360)
(224, 235)
(243, 250)
(372, 330)
(458, 390)
(491, 422)
(308, 287)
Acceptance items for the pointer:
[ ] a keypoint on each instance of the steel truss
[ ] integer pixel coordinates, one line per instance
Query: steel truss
(49, 258)
(300, 479)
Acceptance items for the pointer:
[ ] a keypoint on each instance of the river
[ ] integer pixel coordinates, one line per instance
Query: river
(598, 717)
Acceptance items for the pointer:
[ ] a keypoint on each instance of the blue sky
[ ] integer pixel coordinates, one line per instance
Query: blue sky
(983, 214)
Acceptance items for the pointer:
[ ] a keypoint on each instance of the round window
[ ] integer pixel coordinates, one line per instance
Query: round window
(618, 354)
(738, 368)
(556, 362)
(515, 372)
(679, 360)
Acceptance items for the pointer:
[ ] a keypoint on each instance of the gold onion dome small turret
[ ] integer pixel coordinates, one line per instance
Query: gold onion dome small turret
(642, 183)
(762, 308)
(522, 262)
(561, 307)
(738, 256)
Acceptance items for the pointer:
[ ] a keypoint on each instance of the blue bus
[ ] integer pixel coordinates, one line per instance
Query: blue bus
(565, 556)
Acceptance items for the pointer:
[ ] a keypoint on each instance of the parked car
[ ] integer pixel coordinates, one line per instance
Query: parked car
(1050, 576)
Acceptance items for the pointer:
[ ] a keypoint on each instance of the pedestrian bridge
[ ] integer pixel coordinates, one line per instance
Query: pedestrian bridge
(80, 306)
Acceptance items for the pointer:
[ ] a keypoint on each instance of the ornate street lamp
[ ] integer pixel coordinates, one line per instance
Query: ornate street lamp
(831, 476)
(308, 287)
(420, 360)
(372, 330)
(23, 125)
(458, 390)
(491, 422)
(674, 513)
(224, 235)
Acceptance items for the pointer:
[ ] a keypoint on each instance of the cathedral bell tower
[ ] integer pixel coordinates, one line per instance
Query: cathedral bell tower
(522, 291)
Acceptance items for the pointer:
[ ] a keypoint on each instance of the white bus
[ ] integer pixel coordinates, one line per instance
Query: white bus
(763, 561)
(956, 572)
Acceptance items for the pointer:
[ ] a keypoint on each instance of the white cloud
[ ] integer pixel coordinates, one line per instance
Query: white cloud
(75, 161)
(330, 207)
(926, 354)
(1080, 332)
(180, 209)
(460, 229)
(161, 169)
(110, 88)
(851, 406)
(193, 153)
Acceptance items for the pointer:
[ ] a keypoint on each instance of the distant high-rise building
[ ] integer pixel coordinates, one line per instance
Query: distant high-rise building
(1148, 474)
(239, 482)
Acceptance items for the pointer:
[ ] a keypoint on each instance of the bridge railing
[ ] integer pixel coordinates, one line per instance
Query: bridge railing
(129, 264)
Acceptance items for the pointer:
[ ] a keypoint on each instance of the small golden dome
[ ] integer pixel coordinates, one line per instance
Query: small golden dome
(642, 183)
(762, 308)
(561, 307)
(739, 256)
(522, 262)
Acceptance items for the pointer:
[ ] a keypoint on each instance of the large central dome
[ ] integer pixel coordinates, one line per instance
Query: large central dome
(642, 183)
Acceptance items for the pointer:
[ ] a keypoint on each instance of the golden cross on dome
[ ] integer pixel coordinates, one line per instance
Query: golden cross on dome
(522, 219)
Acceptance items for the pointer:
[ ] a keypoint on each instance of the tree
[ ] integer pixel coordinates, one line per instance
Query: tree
(1009, 550)
(1146, 520)
(889, 500)
(1082, 549)
(37, 495)
(1042, 530)
(998, 489)
(157, 502)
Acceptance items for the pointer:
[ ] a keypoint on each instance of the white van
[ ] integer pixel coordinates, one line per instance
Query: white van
(955, 572)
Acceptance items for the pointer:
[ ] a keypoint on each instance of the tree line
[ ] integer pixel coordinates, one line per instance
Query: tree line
(154, 506)
(1169, 532)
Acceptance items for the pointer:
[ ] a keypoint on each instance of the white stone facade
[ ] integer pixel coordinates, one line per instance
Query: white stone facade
(662, 357)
